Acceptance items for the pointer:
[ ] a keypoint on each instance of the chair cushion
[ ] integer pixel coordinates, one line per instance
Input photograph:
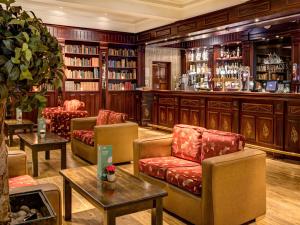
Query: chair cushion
(157, 167)
(187, 142)
(187, 178)
(86, 136)
(115, 117)
(21, 181)
(215, 143)
(73, 105)
(102, 117)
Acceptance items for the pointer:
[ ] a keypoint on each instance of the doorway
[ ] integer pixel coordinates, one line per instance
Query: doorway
(161, 75)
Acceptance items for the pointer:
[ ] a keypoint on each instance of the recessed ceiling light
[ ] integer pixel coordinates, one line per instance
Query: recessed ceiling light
(277, 36)
(264, 38)
(166, 39)
(256, 20)
(219, 28)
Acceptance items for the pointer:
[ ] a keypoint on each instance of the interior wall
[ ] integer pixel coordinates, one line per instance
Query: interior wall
(163, 55)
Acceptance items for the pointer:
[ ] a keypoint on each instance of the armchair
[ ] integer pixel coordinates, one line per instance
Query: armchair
(89, 136)
(19, 182)
(58, 119)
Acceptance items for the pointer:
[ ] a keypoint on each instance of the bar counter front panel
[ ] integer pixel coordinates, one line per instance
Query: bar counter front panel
(266, 119)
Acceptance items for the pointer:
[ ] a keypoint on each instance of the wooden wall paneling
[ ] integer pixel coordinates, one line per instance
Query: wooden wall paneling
(279, 128)
(184, 116)
(213, 119)
(235, 116)
(141, 66)
(248, 127)
(155, 110)
(292, 131)
(162, 116)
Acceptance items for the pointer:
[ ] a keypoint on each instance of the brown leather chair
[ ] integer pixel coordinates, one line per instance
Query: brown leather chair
(17, 166)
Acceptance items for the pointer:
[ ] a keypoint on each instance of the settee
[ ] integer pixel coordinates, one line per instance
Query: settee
(108, 128)
(209, 177)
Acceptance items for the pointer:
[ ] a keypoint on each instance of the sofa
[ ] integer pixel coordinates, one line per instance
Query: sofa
(108, 128)
(20, 182)
(58, 119)
(209, 177)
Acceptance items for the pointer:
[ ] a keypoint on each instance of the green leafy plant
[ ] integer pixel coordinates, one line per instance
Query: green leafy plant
(29, 56)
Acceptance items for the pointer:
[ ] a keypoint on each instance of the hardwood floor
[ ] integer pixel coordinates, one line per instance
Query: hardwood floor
(283, 190)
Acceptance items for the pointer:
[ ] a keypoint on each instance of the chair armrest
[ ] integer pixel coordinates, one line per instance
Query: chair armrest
(17, 163)
(151, 147)
(51, 191)
(234, 187)
(86, 123)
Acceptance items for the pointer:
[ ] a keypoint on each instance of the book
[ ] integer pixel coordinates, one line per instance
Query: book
(104, 153)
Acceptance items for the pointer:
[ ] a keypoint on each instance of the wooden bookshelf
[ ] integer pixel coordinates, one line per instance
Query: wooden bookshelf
(121, 67)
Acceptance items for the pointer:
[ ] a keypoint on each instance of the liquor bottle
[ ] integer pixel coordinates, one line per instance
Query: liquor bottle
(222, 53)
(238, 52)
(198, 55)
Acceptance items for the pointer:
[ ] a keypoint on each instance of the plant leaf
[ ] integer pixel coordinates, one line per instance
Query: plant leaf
(8, 44)
(8, 66)
(26, 75)
(28, 55)
(14, 74)
(24, 47)
(26, 36)
(17, 22)
(3, 60)
(15, 60)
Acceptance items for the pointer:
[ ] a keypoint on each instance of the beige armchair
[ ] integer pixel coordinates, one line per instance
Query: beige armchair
(120, 136)
(17, 166)
(233, 185)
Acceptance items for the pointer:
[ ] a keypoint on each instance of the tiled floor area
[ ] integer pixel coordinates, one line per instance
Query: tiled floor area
(283, 190)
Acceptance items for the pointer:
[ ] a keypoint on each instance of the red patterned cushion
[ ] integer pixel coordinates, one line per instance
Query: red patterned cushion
(73, 105)
(157, 167)
(215, 143)
(116, 118)
(187, 178)
(102, 118)
(21, 181)
(187, 142)
(86, 136)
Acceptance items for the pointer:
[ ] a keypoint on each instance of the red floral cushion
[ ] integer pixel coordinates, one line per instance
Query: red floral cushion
(157, 167)
(187, 142)
(102, 117)
(73, 105)
(215, 143)
(21, 181)
(187, 178)
(86, 136)
(116, 118)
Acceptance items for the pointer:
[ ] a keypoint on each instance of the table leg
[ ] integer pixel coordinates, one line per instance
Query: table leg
(47, 155)
(109, 218)
(67, 200)
(22, 144)
(63, 156)
(157, 212)
(35, 166)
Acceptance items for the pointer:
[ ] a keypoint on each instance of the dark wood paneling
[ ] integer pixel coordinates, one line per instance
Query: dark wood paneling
(248, 127)
(225, 122)
(264, 130)
(213, 120)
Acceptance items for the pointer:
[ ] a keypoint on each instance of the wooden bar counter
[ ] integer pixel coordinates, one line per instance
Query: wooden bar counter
(266, 119)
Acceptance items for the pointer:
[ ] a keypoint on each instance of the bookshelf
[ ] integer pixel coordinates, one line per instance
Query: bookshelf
(121, 67)
(82, 61)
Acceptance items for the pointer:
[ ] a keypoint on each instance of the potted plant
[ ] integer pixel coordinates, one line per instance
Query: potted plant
(29, 57)
(110, 170)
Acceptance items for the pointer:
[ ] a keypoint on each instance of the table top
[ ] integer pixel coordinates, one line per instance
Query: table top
(125, 190)
(17, 123)
(34, 139)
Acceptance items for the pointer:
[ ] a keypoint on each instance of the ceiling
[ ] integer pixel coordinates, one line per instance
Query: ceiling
(121, 15)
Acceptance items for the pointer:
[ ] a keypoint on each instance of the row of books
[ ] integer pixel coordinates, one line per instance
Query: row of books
(81, 49)
(81, 62)
(122, 75)
(122, 52)
(48, 87)
(82, 74)
(123, 63)
(121, 86)
(81, 86)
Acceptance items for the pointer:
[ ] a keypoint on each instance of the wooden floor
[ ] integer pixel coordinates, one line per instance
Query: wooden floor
(283, 190)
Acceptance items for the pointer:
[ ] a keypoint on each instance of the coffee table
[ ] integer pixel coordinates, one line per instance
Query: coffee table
(37, 144)
(12, 125)
(128, 194)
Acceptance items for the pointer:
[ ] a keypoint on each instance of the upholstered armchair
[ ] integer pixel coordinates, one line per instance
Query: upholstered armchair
(58, 119)
(20, 182)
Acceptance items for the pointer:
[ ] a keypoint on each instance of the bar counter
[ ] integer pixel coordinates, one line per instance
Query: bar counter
(267, 119)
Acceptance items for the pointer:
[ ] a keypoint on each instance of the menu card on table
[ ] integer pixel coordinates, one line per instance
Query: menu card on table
(104, 160)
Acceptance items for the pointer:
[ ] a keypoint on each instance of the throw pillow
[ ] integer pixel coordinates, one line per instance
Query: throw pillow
(102, 117)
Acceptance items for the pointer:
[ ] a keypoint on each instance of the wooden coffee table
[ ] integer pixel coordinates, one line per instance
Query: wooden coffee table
(12, 125)
(128, 194)
(37, 144)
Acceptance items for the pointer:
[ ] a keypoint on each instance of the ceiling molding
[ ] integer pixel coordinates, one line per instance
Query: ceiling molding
(121, 15)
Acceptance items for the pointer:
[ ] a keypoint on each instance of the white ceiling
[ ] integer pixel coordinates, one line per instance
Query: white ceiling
(121, 15)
